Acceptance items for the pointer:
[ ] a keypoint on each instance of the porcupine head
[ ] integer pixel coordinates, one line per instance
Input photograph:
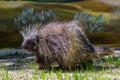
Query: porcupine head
(30, 38)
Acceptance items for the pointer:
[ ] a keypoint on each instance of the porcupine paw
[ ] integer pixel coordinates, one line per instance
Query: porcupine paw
(40, 66)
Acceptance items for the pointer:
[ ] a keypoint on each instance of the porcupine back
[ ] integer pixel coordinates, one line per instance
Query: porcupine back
(66, 42)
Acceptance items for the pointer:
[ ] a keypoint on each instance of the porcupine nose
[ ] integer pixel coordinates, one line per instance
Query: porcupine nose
(29, 45)
(24, 45)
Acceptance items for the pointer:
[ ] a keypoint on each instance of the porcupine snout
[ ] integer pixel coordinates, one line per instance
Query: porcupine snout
(29, 45)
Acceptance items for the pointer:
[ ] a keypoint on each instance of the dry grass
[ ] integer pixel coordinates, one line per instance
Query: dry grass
(94, 6)
(55, 6)
(106, 38)
(111, 2)
(12, 4)
(70, 8)
(13, 40)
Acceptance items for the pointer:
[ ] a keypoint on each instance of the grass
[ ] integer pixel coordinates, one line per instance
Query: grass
(19, 68)
(105, 72)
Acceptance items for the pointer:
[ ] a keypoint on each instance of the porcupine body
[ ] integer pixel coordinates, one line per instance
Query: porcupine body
(64, 43)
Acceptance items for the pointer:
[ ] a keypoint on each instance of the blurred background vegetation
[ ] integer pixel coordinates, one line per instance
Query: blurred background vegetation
(61, 1)
(101, 18)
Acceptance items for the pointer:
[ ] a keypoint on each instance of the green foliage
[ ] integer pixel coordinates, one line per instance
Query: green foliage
(91, 23)
(30, 16)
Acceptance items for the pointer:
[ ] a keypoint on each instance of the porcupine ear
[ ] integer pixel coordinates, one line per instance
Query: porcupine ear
(30, 30)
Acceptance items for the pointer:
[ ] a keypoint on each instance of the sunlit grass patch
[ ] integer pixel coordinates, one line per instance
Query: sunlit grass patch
(104, 71)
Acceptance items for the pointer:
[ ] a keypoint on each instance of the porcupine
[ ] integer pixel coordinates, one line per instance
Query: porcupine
(61, 42)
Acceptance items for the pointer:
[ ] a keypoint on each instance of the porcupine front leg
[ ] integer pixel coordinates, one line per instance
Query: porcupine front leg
(42, 62)
(39, 60)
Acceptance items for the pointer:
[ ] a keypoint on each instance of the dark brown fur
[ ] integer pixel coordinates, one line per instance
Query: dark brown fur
(64, 43)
